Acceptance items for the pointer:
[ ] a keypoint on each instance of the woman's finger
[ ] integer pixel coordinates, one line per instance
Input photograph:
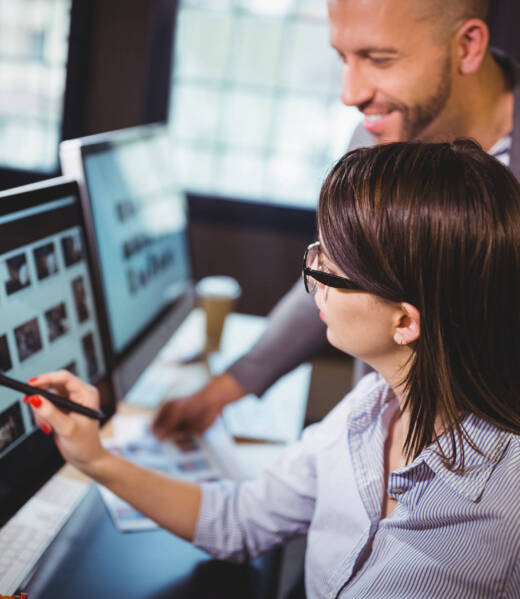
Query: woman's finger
(59, 379)
(64, 383)
(46, 413)
(40, 423)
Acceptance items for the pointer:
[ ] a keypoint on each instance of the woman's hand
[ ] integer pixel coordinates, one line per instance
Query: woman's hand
(77, 436)
(173, 503)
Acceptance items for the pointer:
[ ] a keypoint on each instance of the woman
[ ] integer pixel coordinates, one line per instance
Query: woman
(410, 486)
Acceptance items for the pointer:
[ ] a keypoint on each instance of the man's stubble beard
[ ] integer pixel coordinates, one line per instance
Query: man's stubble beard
(418, 118)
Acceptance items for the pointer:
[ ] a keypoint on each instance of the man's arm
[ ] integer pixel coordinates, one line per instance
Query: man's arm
(293, 335)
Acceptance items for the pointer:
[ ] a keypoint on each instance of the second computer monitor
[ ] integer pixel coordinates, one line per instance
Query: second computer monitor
(136, 216)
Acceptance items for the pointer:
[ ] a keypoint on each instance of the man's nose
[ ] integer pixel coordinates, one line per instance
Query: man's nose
(356, 89)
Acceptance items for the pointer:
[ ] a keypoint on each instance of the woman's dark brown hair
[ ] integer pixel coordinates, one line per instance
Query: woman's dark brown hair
(438, 226)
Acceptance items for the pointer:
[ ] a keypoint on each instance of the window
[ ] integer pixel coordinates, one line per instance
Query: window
(33, 55)
(255, 109)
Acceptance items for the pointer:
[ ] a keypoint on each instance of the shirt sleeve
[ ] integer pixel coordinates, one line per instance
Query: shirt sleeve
(240, 520)
(294, 334)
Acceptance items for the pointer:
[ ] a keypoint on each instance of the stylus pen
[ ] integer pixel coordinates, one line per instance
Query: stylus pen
(60, 402)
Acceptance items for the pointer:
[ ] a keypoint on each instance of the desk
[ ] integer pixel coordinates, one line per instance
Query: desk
(89, 558)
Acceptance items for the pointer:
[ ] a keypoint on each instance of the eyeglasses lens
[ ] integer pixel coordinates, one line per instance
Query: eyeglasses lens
(312, 262)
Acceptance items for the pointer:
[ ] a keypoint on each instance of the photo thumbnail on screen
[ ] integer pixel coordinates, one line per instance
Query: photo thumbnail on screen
(89, 351)
(57, 321)
(16, 274)
(28, 339)
(46, 261)
(11, 426)
(72, 248)
(80, 299)
(5, 355)
(72, 367)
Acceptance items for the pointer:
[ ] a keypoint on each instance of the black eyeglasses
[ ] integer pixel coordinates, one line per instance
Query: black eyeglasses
(312, 272)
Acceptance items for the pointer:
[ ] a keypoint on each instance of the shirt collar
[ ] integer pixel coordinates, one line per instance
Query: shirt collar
(492, 443)
(369, 405)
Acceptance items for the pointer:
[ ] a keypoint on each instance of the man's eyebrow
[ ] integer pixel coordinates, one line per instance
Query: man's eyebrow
(377, 50)
(370, 50)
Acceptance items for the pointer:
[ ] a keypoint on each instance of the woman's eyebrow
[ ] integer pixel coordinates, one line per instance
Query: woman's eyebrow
(325, 255)
(330, 264)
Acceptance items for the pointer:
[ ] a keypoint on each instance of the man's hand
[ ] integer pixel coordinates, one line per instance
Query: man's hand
(195, 413)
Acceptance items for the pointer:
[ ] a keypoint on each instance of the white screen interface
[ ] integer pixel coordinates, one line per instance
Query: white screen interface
(140, 225)
(48, 320)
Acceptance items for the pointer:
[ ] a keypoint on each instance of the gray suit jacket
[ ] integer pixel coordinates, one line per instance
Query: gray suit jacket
(295, 332)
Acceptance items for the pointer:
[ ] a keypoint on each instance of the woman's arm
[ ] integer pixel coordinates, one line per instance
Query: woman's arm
(229, 520)
(174, 504)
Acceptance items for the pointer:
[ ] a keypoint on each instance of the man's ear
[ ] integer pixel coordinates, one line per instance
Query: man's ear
(472, 41)
(407, 328)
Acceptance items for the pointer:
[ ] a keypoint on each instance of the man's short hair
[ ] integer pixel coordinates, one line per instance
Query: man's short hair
(471, 9)
(449, 14)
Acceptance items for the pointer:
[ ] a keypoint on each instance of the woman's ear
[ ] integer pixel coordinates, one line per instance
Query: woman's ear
(407, 328)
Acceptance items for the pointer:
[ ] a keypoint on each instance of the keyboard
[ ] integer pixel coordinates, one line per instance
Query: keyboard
(151, 387)
(31, 530)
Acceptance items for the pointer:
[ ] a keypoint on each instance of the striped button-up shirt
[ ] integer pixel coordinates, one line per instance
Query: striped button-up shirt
(450, 535)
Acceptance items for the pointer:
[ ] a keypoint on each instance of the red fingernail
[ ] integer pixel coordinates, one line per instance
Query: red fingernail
(36, 402)
(46, 429)
(26, 399)
(33, 380)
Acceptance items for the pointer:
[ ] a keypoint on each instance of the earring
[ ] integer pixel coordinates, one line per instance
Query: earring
(400, 340)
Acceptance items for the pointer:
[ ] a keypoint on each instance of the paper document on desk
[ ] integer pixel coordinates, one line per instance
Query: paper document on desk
(193, 458)
(278, 417)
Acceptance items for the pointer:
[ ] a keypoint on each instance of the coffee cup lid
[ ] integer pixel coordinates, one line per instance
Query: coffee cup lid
(219, 287)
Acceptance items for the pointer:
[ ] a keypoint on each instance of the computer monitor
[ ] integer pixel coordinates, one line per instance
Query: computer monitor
(136, 219)
(49, 321)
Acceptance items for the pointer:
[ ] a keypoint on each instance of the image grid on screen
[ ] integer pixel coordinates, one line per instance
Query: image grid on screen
(49, 321)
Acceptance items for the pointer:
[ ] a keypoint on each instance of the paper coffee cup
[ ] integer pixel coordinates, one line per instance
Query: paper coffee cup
(217, 296)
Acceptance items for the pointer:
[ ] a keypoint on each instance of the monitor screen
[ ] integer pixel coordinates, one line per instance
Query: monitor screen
(49, 320)
(137, 224)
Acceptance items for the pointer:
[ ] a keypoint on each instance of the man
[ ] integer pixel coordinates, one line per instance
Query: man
(417, 70)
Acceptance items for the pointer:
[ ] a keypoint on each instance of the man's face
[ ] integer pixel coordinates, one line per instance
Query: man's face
(394, 71)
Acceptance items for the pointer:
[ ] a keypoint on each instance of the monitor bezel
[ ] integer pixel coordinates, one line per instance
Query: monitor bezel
(39, 450)
(72, 155)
